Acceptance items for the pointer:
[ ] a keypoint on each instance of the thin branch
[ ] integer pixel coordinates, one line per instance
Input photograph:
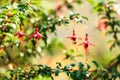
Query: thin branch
(113, 64)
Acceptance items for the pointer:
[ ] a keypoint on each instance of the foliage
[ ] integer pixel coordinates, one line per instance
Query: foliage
(109, 10)
(74, 70)
(27, 14)
(30, 17)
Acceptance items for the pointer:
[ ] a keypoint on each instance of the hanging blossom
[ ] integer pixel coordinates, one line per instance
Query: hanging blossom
(20, 34)
(102, 24)
(36, 35)
(74, 37)
(59, 8)
(86, 44)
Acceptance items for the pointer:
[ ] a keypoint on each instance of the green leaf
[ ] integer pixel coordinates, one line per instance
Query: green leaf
(80, 65)
(110, 41)
(95, 63)
(99, 73)
(11, 25)
(11, 73)
(88, 66)
(9, 35)
(68, 73)
(70, 65)
(69, 6)
(84, 17)
(84, 72)
(67, 56)
(91, 2)
(22, 7)
(78, 1)
(59, 64)
(4, 78)
(72, 75)
(22, 17)
(111, 2)
(72, 50)
(79, 75)
(57, 71)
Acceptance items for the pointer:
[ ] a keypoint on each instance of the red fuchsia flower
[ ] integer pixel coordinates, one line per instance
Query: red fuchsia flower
(20, 34)
(86, 44)
(73, 37)
(36, 35)
(59, 8)
(102, 24)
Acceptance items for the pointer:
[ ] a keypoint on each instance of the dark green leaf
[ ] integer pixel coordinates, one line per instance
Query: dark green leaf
(111, 2)
(84, 17)
(80, 65)
(96, 64)
(59, 64)
(57, 71)
(11, 73)
(88, 66)
(78, 1)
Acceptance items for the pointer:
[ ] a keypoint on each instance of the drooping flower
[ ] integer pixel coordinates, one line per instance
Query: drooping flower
(86, 44)
(20, 34)
(74, 37)
(59, 8)
(102, 24)
(36, 35)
